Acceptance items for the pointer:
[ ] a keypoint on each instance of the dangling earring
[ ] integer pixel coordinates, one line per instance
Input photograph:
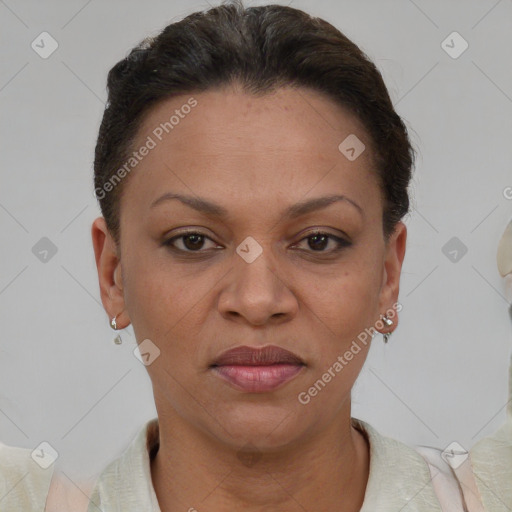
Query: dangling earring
(388, 322)
(113, 324)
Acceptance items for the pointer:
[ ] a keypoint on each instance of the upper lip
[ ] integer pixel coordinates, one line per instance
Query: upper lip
(257, 356)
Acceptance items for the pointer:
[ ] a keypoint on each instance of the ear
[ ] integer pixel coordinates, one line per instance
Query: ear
(393, 259)
(110, 279)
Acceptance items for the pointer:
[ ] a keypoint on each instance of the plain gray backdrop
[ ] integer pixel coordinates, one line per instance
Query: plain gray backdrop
(443, 375)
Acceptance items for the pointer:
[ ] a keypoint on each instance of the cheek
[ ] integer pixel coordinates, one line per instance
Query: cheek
(163, 300)
(347, 302)
(341, 311)
(148, 292)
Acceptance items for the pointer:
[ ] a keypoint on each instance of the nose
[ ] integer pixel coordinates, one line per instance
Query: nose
(257, 292)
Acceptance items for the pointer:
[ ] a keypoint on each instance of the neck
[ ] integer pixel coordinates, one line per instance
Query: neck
(326, 472)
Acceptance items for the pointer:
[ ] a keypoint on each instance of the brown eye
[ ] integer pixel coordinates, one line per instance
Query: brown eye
(319, 241)
(190, 242)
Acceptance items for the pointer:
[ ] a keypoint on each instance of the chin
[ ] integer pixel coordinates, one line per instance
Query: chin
(266, 426)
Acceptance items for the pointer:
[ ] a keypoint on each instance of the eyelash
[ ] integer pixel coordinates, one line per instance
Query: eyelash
(341, 242)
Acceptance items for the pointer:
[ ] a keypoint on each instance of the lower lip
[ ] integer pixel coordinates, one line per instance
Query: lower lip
(257, 379)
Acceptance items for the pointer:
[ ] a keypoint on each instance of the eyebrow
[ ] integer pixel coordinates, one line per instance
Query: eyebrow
(302, 208)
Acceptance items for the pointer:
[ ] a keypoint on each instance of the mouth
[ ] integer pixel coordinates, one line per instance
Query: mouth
(257, 369)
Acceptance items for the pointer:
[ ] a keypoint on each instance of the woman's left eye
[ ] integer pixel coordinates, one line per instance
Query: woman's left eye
(317, 242)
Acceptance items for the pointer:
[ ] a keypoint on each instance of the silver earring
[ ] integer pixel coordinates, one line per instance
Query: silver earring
(113, 324)
(388, 322)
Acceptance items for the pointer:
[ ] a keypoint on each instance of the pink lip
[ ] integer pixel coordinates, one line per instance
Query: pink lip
(257, 369)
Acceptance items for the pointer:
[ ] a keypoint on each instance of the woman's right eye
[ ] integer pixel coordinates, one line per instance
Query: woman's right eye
(191, 241)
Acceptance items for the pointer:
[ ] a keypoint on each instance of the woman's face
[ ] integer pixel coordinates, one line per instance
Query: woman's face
(256, 275)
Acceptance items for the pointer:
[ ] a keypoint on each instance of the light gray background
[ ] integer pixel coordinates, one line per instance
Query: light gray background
(443, 375)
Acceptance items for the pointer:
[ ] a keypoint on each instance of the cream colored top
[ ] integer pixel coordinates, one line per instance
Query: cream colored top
(24, 485)
(399, 478)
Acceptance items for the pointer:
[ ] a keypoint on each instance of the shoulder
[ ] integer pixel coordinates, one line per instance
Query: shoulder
(399, 476)
(27, 483)
(418, 478)
(68, 495)
(492, 462)
(125, 483)
(24, 483)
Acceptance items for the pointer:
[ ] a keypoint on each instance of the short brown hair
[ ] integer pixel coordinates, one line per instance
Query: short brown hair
(262, 48)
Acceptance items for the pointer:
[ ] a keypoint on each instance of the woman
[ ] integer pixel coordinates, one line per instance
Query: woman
(252, 175)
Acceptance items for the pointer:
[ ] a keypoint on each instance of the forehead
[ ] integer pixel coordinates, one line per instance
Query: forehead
(233, 143)
(288, 119)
